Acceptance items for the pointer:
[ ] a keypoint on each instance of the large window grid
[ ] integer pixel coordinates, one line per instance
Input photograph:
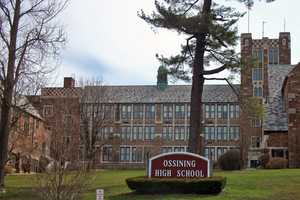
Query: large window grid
(138, 111)
(124, 154)
(257, 74)
(126, 133)
(209, 111)
(255, 142)
(234, 111)
(179, 133)
(222, 133)
(126, 112)
(234, 133)
(257, 91)
(106, 133)
(179, 111)
(137, 133)
(222, 111)
(149, 132)
(107, 153)
(108, 112)
(150, 111)
(168, 112)
(258, 55)
(209, 132)
(273, 56)
(136, 154)
(167, 133)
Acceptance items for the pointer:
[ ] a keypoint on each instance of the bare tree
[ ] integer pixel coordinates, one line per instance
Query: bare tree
(30, 37)
(94, 115)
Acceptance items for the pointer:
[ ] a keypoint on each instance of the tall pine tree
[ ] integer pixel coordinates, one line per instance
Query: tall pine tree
(211, 34)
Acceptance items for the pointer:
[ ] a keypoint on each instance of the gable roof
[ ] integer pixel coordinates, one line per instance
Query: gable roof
(276, 118)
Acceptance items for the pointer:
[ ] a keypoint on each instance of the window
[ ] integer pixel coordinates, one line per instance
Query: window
(125, 154)
(188, 132)
(179, 149)
(212, 155)
(167, 133)
(108, 112)
(166, 149)
(222, 133)
(138, 111)
(150, 111)
(106, 132)
(149, 133)
(206, 154)
(209, 111)
(278, 153)
(258, 55)
(126, 133)
(137, 133)
(255, 142)
(179, 133)
(234, 111)
(234, 133)
(257, 91)
(257, 74)
(256, 123)
(222, 111)
(48, 110)
(273, 56)
(220, 152)
(136, 154)
(126, 112)
(107, 153)
(209, 132)
(168, 112)
(188, 113)
(179, 112)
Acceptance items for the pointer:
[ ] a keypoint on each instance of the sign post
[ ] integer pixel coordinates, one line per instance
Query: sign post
(179, 165)
(99, 194)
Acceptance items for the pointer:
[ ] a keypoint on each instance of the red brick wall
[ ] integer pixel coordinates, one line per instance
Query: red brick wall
(292, 102)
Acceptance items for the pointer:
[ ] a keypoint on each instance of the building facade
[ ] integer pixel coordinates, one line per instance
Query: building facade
(143, 121)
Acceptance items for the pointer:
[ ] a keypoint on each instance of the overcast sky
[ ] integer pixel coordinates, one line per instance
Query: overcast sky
(106, 38)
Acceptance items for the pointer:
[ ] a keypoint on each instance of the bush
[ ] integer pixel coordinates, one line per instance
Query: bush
(230, 160)
(264, 159)
(8, 169)
(277, 163)
(147, 185)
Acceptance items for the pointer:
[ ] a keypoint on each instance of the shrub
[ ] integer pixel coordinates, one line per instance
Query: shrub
(277, 163)
(230, 160)
(8, 169)
(264, 159)
(147, 185)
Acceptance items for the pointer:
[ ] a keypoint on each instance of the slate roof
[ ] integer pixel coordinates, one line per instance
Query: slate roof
(275, 117)
(172, 94)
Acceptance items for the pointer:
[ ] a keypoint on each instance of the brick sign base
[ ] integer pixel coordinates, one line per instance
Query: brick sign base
(178, 165)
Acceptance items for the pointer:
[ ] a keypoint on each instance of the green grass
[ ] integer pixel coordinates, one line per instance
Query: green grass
(241, 185)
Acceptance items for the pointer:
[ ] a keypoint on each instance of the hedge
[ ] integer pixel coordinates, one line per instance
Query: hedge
(145, 185)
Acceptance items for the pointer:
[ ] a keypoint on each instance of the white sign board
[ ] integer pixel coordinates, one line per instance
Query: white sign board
(99, 194)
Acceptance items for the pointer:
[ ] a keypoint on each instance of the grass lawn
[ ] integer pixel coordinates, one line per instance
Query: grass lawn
(241, 185)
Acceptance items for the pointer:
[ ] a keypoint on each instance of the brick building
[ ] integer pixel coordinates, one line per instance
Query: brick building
(152, 119)
(28, 139)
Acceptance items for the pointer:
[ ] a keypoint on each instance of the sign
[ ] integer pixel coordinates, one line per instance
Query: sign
(99, 194)
(178, 165)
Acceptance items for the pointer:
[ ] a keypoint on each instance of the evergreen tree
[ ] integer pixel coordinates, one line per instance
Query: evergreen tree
(211, 38)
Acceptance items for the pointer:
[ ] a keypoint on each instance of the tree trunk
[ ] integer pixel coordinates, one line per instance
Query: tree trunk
(8, 89)
(196, 139)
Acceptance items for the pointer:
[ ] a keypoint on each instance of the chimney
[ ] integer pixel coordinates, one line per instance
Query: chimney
(69, 82)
